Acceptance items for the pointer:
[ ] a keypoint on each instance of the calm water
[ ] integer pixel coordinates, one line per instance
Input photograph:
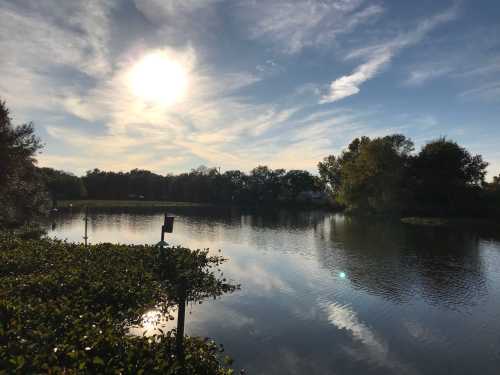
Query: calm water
(326, 294)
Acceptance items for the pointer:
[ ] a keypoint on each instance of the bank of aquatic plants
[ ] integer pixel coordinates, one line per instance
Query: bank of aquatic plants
(66, 308)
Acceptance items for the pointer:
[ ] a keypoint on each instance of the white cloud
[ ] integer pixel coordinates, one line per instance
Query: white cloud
(418, 77)
(349, 85)
(376, 349)
(36, 43)
(292, 25)
(482, 69)
(380, 55)
(158, 10)
(488, 91)
(180, 21)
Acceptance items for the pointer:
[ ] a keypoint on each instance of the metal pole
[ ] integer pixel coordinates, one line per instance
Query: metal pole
(86, 219)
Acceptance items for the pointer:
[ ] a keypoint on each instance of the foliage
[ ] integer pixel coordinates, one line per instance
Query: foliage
(370, 175)
(383, 175)
(448, 177)
(188, 275)
(203, 185)
(329, 171)
(22, 194)
(65, 308)
(62, 185)
(492, 197)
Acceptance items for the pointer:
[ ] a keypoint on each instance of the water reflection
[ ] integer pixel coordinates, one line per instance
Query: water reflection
(397, 261)
(323, 293)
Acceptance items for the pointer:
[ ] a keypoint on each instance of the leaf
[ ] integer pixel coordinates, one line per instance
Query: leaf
(98, 361)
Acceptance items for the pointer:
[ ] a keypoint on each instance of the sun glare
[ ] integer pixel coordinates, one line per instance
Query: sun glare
(159, 79)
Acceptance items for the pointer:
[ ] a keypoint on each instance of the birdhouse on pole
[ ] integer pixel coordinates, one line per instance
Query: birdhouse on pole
(168, 225)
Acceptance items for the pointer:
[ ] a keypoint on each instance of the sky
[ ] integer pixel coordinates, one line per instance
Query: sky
(169, 85)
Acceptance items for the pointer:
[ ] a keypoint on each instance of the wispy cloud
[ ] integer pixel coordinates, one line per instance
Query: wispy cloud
(380, 55)
(419, 76)
(292, 25)
(40, 46)
(489, 91)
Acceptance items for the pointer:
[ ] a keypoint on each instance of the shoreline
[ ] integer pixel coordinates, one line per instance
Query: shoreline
(126, 203)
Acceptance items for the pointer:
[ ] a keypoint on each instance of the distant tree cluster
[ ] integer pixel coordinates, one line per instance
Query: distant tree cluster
(204, 184)
(382, 175)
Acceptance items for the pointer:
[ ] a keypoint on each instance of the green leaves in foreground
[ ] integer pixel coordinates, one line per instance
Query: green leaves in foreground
(65, 308)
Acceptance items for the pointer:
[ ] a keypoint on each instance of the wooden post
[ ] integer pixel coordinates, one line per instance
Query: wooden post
(86, 219)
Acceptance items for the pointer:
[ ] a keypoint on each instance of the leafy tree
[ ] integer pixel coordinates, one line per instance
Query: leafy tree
(62, 185)
(297, 181)
(448, 177)
(496, 181)
(22, 194)
(265, 183)
(235, 186)
(329, 171)
(370, 174)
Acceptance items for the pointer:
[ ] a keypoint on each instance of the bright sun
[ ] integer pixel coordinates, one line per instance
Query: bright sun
(159, 79)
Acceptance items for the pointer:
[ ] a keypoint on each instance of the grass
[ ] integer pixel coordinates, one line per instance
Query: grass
(126, 203)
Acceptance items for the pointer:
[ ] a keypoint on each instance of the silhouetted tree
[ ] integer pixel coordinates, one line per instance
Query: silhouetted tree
(296, 182)
(448, 178)
(62, 185)
(22, 194)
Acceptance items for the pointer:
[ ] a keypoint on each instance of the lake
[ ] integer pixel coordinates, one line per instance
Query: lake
(322, 293)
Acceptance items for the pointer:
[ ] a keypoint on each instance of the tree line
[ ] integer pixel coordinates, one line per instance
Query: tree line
(372, 175)
(203, 185)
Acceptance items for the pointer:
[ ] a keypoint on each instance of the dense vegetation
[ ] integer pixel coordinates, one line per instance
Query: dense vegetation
(384, 175)
(22, 193)
(206, 185)
(66, 308)
(379, 175)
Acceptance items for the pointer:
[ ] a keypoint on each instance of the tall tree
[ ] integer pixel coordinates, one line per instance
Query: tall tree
(298, 181)
(447, 176)
(22, 194)
(62, 185)
(370, 174)
(373, 176)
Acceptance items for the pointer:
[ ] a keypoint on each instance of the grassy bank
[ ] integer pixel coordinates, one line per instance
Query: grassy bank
(448, 221)
(65, 309)
(125, 203)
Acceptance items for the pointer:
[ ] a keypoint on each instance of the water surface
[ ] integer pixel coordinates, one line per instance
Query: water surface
(327, 294)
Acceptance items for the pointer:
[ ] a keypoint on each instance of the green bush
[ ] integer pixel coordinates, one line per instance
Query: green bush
(66, 308)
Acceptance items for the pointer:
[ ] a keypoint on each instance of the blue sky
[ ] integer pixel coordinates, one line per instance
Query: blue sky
(282, 83)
